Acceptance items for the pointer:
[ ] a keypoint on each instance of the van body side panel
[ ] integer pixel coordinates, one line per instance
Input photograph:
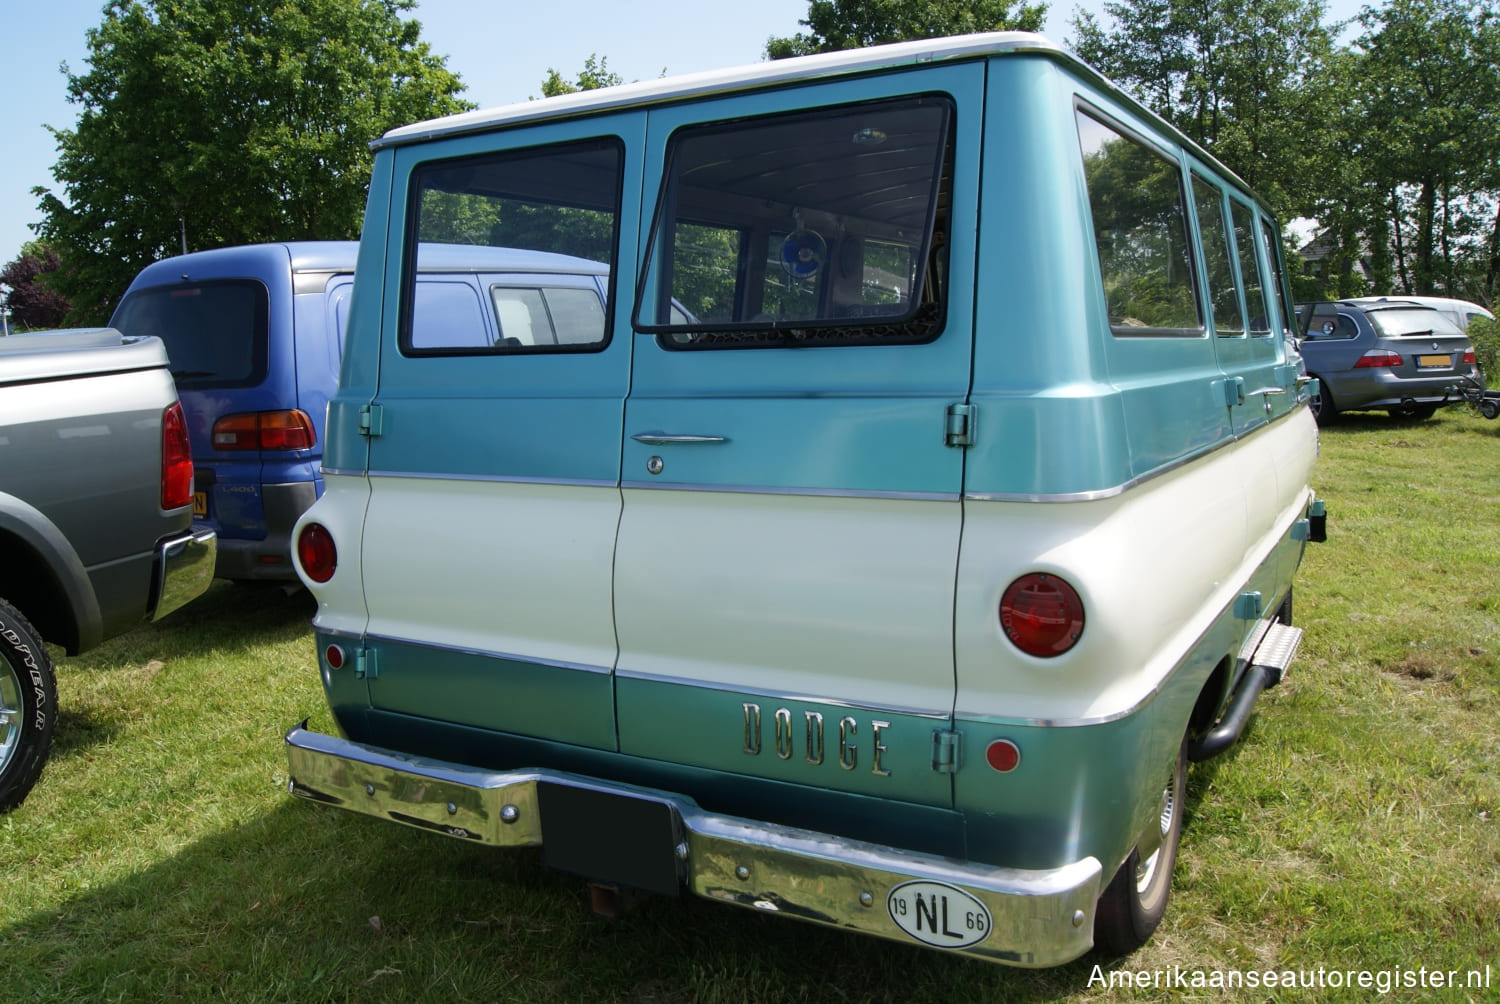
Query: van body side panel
(809, 551)
(495, 478)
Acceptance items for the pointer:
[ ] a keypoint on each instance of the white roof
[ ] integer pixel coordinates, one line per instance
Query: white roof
(755, 75)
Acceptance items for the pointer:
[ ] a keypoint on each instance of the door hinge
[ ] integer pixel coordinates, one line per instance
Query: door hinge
(960, 425)
(1233, 389)
(371, 419)
(365, 666)
(945, 752)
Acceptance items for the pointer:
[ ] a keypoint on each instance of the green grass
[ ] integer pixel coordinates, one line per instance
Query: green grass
(1355, 827)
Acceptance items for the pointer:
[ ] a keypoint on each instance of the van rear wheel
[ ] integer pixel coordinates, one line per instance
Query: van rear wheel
(1136, 898)
(28, 706)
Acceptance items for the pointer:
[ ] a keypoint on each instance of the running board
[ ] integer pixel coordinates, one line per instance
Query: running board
(1272, 658)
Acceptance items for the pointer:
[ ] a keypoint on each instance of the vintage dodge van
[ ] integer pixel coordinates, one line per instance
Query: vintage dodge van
(860, 487)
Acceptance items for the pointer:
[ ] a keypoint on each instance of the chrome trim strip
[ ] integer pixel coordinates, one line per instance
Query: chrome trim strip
(493, 479)
(1040, 917)
(347, 472)
(852, 493)
(782, 696)
(1100, 494)
(577, 667)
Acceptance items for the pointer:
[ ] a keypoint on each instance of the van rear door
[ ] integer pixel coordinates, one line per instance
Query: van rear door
(495, 434)
(786, 557)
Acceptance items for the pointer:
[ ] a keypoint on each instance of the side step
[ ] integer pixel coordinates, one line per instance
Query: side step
(1272, 658)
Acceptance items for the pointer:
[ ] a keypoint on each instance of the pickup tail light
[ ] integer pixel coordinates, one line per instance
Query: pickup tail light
(176, 459)
(291, 429)
(316, 552)
(1378, 359)
(1041, 614)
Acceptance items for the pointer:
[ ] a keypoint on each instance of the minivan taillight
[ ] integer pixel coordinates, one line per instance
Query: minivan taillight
(176, 459)
(265, 430)
(316, 552)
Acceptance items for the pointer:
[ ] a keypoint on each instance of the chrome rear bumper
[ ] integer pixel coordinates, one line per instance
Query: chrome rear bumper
(1013, 916)
(184, 569)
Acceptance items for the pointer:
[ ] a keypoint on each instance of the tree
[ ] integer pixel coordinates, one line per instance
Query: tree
(210, 123)
(30, 299)
(1431, 97)
(595, 74)
(849, 24)
(1241, 79)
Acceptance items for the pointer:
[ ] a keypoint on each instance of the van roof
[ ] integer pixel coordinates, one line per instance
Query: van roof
(750, 77)
(306, 256)
(479, 258)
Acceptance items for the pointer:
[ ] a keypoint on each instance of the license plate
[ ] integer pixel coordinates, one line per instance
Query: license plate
(1434, 362)
(615, 839)
(200, 503)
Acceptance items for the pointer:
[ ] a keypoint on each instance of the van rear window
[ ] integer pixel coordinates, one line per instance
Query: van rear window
(215, 332)
(548, 210)
(813, 228)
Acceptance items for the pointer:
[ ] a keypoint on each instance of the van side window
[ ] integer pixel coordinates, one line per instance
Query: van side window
(551, 209)
(553, 315)
(1223, 291)
(1278, 275)
(1256, 300)
(813, 228)
(1141, 233)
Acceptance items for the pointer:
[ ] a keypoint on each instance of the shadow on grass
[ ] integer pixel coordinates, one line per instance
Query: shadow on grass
(309, 904)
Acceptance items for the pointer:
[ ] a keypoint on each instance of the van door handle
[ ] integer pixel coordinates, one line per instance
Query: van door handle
(674, 439)
(1266, 390)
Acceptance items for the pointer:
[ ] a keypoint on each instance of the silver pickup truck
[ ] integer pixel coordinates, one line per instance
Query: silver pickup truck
(96, 534)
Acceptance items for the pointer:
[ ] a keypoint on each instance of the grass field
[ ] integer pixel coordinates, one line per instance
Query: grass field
(1354, 828)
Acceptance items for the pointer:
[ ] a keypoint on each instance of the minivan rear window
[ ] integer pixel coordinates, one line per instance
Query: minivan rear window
(215, 332)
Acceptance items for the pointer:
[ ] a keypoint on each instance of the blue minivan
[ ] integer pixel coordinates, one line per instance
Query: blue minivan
(255, 336)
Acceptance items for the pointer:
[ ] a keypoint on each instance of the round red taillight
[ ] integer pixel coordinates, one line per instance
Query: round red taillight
(316, 552)
(334, 656)
(1041, 614)
(1003, 755)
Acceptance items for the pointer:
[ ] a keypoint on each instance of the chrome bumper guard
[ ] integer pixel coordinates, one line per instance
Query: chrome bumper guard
(1007, 915)
(184, 569)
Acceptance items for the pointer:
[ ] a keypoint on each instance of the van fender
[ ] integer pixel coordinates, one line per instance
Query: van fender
(23, 525)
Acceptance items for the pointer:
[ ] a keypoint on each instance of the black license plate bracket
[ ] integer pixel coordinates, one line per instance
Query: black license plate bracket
(610, 838)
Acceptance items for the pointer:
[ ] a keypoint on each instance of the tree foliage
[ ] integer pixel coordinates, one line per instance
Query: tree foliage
(1392, 143)
(595, 74)
(1235, 77)
(211, 123)
(848, 24)
(30, 299)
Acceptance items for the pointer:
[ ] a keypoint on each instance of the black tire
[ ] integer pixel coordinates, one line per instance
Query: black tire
(1135, 900)
(1321, 403)
(28, 707)
(1489, 408)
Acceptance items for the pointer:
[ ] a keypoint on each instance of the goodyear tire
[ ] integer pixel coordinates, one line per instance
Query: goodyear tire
(1136, 898)
(28, 707)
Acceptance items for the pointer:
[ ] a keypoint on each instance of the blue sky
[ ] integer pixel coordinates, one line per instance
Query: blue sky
(501, 48)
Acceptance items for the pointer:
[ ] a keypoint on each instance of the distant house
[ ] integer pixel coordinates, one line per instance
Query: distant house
(1315, 258)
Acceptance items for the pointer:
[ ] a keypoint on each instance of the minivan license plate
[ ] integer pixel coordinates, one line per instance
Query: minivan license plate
(615, 839)
(200, 503)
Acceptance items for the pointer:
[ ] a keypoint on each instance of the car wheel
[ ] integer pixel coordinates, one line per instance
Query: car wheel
(1136, 898)
(1489, 408)
(28, 707)
(1321, 403)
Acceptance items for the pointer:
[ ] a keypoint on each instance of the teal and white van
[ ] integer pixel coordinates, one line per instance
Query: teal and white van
(864, 482)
